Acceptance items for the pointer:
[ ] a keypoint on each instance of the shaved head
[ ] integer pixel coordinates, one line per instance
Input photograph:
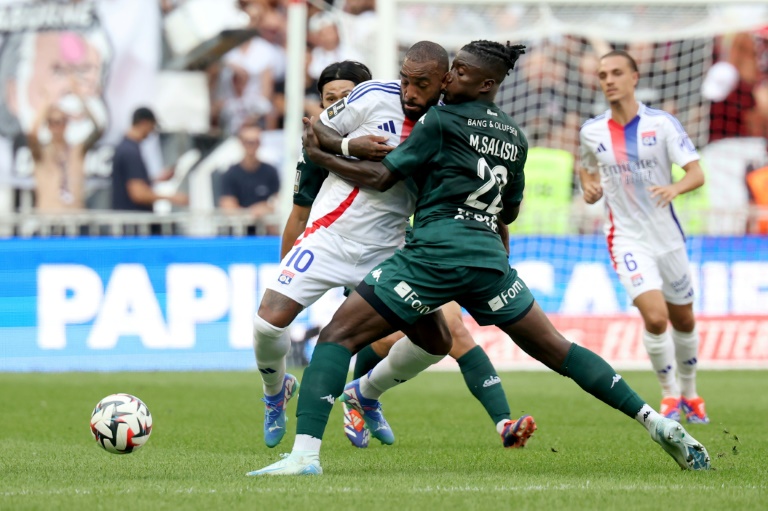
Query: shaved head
(427, 51)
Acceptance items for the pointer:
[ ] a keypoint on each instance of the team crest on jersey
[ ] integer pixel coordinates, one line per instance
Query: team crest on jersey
(336, 108)
(649, 138)
(285, 277)
(637, 280)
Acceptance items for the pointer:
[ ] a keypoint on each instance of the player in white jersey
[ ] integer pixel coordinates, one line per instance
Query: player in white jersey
(626, 156)
(349, 230)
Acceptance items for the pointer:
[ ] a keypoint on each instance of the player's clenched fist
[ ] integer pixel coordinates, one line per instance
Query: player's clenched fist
(592, 192)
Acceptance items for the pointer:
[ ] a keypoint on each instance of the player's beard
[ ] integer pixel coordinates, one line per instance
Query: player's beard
(413, 115)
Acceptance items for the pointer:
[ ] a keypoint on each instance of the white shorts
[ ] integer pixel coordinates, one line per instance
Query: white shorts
(640, 270)
(322, 261)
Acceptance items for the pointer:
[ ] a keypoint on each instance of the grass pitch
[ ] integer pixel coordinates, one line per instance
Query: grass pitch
(207, 435)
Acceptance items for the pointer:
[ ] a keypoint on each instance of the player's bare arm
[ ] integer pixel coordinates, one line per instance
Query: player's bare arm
(369, 147)
(371, 174)
(694, 178)
(294, 226)
(590, 183)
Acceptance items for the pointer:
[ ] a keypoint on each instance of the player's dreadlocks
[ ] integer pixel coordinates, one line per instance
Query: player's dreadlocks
(502, 58)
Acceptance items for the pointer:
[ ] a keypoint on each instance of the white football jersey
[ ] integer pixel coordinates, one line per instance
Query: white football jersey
(630, 159)
(366, 215)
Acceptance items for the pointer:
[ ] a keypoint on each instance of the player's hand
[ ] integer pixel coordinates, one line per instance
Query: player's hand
(663, 194)
(592, 192)
(369, 147)
(309, 139)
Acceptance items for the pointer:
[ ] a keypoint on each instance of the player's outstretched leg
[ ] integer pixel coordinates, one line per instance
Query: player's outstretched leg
(274, 411)
(536, 335)
(370, 410)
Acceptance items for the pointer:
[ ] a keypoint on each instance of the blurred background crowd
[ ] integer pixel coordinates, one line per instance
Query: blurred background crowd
(157, 108)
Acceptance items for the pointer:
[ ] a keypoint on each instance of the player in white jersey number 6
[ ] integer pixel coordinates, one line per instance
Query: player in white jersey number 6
(351, 229)
(626, 156)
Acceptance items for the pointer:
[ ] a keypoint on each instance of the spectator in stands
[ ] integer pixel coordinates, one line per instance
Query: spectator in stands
(357, 27)
(59, 166)
(328, 48)
(734, 86)
(251, 185)
(242, 103)
(260, 59)
(131, 186)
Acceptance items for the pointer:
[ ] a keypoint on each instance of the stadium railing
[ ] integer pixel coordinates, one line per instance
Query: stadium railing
(122, 223)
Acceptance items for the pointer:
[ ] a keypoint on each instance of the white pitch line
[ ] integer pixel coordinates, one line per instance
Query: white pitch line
(331, 490)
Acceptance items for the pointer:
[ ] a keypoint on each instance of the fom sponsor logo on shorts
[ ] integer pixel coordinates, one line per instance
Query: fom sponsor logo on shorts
(506, 296)
(409, 296)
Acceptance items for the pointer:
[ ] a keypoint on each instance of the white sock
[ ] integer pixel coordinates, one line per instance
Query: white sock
(686, 353)
(647, 416)
(661, 351)
(307, 443)
(405, 361)
(500, 425)
(270, 345)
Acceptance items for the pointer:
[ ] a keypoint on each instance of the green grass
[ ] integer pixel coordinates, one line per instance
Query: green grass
(207, 434)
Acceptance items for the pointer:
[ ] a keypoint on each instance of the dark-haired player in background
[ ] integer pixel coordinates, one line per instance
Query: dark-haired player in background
(467, 159)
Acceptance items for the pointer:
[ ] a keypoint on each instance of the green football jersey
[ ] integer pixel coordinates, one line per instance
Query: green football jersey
(467, 161)
(309, 179)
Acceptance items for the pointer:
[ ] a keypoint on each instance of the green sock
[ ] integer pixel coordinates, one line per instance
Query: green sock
(597, 377)
(366, 360)
(322, 383)
(484, 383)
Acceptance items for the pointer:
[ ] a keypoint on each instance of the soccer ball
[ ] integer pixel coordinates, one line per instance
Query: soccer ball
(121, 423)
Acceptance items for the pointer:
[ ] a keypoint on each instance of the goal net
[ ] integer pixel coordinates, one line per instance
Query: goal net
(557, 243)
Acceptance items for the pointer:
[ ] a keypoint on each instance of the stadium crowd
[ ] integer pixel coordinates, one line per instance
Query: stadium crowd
(724, 107)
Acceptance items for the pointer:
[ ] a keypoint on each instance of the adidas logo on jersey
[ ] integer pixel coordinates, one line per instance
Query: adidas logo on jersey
(600, 148)
(389, 127)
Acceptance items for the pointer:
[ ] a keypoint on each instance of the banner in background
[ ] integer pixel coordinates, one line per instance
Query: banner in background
(106, 304)
(101, 54)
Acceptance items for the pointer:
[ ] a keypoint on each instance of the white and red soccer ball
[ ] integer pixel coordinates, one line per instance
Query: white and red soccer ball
(121, 423)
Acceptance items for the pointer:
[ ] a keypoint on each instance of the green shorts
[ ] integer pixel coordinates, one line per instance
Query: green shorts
(410, 288)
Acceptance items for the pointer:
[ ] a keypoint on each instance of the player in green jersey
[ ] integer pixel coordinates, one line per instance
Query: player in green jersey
(467, 158)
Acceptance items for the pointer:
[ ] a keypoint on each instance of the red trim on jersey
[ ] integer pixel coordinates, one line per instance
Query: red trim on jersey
(407, 128)
(331, 217)
(618, 141)
(609, 239)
